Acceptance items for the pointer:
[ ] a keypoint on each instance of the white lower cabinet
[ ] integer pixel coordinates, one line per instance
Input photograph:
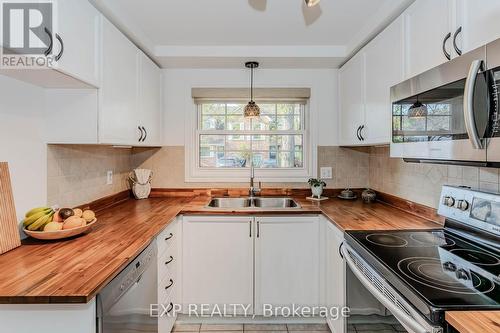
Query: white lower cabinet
(217, 262)
(169, 277)
(287, 268)
(335, 277)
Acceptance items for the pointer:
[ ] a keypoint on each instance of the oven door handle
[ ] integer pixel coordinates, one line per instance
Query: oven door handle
(407, 321)
(470, 122)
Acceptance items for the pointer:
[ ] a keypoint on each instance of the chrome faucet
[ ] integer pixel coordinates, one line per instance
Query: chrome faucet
(253, 190)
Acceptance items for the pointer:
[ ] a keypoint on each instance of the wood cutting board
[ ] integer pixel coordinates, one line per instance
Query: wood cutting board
(9, 233)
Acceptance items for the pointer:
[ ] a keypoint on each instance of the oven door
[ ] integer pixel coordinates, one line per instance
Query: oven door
(443, 114)
(374, 304)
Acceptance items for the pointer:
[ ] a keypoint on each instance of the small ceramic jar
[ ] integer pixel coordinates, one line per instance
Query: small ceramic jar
(368, 195)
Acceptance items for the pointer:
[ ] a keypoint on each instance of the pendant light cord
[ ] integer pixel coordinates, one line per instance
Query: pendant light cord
(251, 84)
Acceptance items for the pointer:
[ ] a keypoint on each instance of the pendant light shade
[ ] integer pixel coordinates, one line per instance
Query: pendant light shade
(252, 110)
(311, 3)
(417, 110)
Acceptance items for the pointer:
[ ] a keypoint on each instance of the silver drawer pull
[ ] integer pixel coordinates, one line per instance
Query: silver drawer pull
(169, 260)
(169, 236)
(170, 285)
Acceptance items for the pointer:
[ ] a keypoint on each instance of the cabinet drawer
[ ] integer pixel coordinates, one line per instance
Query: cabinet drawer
(168, 263)
(167, 238)
(166, 322)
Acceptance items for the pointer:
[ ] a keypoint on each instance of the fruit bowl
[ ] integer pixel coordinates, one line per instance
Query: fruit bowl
(59, 234)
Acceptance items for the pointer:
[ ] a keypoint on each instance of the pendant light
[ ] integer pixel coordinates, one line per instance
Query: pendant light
(311, 3)
(252, 110)
(417, 110)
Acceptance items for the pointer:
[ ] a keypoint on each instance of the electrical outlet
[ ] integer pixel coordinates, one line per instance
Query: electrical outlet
(326, 172)
(109, 177)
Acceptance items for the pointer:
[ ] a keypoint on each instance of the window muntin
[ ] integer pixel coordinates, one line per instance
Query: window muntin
(225, 139)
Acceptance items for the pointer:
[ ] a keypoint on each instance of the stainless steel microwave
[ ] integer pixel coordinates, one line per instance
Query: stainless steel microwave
(450, 114)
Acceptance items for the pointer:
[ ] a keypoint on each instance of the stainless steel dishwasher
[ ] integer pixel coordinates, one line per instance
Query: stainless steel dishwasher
(124, 304)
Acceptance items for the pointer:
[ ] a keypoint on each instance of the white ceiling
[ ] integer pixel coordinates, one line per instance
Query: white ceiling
(218, 33)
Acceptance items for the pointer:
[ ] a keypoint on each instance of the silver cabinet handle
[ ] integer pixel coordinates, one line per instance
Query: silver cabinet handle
(51, 42)
(250, 225)
(446, 54)
(470, 122)
(361, 132)
(258, 229)
(357, 133)
(145, 133)
(455, 46)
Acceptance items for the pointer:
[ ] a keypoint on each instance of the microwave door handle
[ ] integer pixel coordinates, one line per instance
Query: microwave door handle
(470, 122)
(407, 321)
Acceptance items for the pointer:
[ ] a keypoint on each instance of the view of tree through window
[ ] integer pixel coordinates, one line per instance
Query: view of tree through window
(227, 140)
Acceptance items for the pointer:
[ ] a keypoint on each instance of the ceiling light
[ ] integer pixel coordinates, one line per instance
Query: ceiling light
(311, 3)
(252, 110)
(417, 110)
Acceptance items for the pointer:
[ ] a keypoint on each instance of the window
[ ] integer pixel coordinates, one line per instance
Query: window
(225, 139)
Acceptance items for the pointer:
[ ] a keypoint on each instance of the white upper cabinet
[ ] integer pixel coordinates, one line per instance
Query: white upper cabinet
(364, 88)
(75, 47)
(149, 115)
(79, 32)
(428, 25)
(479, 21)
(125, 110)
(351, 95)
(119, 88)
(384, 68)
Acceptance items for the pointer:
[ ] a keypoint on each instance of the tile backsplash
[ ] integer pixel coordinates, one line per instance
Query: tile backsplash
(76, 174)
(349, 168)
(422, 182)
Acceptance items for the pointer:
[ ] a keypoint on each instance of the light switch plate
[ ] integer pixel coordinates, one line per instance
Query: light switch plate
(109, 177)
(326, 172)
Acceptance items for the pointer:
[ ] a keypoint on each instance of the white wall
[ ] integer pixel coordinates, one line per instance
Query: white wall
(22, 141)
(177, 84)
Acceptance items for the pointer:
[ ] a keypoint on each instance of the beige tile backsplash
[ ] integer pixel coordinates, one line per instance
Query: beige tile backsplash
(349, 168)
(77, 173)
(422, 182)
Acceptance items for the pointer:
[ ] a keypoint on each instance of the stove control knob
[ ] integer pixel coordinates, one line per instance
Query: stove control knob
(462, 274)
(448, 201)
(463, 205)
(449, 266)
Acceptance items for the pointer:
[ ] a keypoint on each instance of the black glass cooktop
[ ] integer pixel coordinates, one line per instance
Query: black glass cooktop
(444, 269)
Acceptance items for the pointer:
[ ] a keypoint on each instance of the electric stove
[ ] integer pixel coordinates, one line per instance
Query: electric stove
(454, 268)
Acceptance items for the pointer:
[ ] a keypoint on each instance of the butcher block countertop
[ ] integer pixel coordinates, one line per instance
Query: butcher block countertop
(474, 321)
(75, 270)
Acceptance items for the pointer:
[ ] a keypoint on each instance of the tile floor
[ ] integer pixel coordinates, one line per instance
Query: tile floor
(251, 328)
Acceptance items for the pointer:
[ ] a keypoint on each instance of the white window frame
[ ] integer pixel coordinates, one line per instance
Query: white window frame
(194, 173)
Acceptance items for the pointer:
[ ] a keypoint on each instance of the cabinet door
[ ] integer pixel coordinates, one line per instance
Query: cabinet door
(287, 261)
(351, 95)
(480, 23)
(118, 93)
(427, 24)
(149, 115)
(217, 261)
(335, 272)
(384, 68)
(78, 25)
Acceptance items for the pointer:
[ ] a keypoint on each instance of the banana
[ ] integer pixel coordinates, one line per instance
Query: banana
(29, 220)
(36, 210)
(41, 222)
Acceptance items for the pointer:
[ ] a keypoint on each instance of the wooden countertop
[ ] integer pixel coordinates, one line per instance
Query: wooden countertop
(75, 270)
(474, 321)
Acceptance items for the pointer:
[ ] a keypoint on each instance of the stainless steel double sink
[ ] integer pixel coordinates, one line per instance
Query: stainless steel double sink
(257, 202)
